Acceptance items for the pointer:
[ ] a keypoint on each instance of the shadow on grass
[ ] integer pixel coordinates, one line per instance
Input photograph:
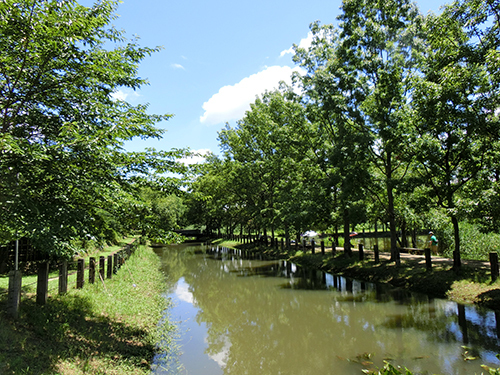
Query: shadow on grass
(490, 299)
(66, 332)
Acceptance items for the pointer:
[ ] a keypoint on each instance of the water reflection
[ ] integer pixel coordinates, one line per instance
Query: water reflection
(258, 316)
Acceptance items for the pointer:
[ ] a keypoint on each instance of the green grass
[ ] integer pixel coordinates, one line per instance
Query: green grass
(29, 281)
(104, 328)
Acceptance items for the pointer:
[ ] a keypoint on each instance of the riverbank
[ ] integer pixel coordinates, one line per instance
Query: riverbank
(106, 327)
(471, 285)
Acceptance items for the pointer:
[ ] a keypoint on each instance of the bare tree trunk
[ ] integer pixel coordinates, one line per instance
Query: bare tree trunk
(404, 239)
(457, 263)
(391, 211)
(347, 238)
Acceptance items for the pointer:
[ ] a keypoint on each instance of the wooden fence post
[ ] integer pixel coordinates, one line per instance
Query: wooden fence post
(80, 274)
(428, 262)
(91, 270)
(322, 247)
(102, 266)
(313, 245)
(63, 277)
(115, 263)
(361, 252)
(42, 286)
(494, 265)
(376, 253)
(14, 293)
(110, 266)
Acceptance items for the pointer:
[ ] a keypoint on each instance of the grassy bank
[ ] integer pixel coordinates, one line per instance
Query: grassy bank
(104, 328)
(471, 285)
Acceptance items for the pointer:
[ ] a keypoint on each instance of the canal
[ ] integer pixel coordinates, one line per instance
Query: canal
(254, 316)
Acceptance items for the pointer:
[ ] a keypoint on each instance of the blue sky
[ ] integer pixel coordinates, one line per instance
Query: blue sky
(216, 57)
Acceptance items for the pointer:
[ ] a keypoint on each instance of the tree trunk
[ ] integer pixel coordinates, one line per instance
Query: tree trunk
(457, 263)
(404, 239)
(391, 210)
(392, 225)
(347, 238)
(287, 237)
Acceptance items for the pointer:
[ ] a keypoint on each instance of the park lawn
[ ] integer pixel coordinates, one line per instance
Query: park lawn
(108, 327)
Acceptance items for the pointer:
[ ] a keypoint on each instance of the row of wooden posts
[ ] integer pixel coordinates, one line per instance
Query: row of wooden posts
(493, 256)
(104, 269)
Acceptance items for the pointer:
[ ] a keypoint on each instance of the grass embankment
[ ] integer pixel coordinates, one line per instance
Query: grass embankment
(470, 285)
(30, 277)
(109, 328)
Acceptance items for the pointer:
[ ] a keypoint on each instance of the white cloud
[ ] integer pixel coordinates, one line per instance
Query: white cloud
(183, 293)
(304, 43)
(178, 66)
(124, 94)
(231, 102)
(119, 95)
(199, 157)
(222, 356)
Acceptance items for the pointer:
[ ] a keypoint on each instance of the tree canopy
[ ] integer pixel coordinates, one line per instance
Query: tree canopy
(400, 116)
(63, 169)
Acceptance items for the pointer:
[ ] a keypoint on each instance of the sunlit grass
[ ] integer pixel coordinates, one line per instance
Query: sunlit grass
(109, 327)
(29, 281)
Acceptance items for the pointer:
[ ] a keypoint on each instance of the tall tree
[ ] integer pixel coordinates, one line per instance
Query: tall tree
(270, 145)
(379, 43)
(61, 130)
(359, 87)
(456, 102)
(330, 100)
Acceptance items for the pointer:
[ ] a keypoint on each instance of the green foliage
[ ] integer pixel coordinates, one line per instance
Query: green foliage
(63, 172)
(163, 237)
(476, 244)
(266, 178)
(389, 369)
(397, 123)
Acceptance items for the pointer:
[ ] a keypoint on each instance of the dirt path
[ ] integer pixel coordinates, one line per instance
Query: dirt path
(419, 259)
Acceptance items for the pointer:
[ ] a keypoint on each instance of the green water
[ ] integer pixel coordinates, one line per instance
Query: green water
(238, 316)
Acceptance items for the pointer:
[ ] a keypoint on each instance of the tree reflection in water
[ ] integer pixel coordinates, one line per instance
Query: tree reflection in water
(256, 316)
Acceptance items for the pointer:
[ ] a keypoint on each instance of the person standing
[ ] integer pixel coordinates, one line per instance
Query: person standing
(433, 243)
